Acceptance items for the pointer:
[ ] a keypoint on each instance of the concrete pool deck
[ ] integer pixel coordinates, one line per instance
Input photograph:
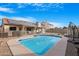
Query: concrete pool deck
(18, 50)
(59, 49)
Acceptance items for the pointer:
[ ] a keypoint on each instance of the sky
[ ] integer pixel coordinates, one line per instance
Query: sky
(58, 14)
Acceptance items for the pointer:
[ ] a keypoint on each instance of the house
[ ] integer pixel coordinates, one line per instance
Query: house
(10, 25)
(18, 26)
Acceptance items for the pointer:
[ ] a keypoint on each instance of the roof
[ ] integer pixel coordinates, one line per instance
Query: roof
(20, 22)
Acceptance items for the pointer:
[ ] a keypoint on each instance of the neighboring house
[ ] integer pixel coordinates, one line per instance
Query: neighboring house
(38, 27)
(46, 25)
(43, 26)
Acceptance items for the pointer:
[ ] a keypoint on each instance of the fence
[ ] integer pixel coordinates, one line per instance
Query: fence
(3, 35)
(11, 34)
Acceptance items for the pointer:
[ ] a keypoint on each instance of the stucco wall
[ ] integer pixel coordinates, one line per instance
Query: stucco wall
(6, 27)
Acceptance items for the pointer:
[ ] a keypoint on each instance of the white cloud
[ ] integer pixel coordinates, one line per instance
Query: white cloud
(41, 6)
(3, 16)
(56, 24)
(48, 5)
(20, 5)
(6, 10)
(30, 19)
(37, 4)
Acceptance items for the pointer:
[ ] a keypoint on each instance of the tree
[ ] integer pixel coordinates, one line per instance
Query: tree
(64, 27)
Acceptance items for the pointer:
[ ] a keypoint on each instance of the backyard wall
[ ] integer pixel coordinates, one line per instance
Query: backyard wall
(60, 31)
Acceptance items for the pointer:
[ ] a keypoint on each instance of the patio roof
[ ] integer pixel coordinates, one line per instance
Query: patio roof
(20, 22)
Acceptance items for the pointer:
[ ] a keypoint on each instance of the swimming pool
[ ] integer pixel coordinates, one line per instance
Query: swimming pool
(40, 44)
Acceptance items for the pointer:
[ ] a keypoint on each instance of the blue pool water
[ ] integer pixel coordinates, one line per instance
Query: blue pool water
(40, 44)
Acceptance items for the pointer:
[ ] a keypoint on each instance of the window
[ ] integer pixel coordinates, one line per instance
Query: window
(12, 28)
(28, 29)
(20, 29)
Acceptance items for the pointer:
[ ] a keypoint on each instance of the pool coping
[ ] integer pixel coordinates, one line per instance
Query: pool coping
(19, 50)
